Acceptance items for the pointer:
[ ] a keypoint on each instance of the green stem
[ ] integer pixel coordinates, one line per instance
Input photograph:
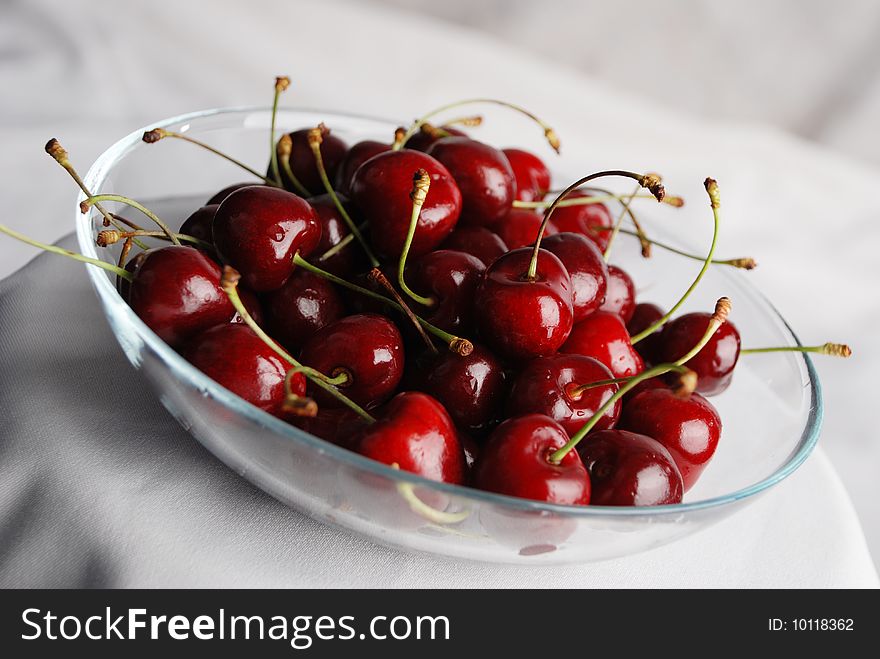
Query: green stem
(715, 203)
(230, 287)
(338, 247)
(577, 201)
(833, 349)
(137, 206)
(408, 492)
(124, 235)
(281, 83)
(617, 224)
(54, 249)
(456, 344)
(421, 185)
(284, 158)
(716, 321)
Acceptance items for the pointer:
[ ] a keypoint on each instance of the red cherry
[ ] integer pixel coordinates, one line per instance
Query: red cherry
(356, 156)
(515, 461)
(483, 175)
(219, 197)
(381, 189)
(423, 140)
(688, 427)
(302, 160)
(486, 245)
(236, 358)
(620, 297)
(603, 336)
(470, 387)
(337, 425)
(584, 219)
(415, 433)
(714, 364)
(252, 304)
(586, 267)
(198, 225)
(450, 279)
(644, 315)
(549, 386)
(368, 348)
(349, 259)
(520, 228)
(176, 292)
(302, 306)
(258, 229)
(531, 174)
(627, 469)
(521, 318)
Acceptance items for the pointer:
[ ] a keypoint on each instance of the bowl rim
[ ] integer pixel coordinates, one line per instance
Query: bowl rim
(114, 303)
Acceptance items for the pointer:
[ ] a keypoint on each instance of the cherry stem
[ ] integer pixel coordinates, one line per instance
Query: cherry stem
(112, 236)
(594, 199)
(281, 83)
(421, 185)
(120, 263)
(402, 137)
(285, 148)
(316, 137)
(745, 262)
(649, 181)
(379, 277)
(294, 403)
(157, 134)
(617, 224)
(85, 204)
(715, 202)
(456, 344)
(832, 349)
(722, 309)
(341, 245)
(229, 284)
(76, 256)
(639, 231)
(419, 507)
(60, 155)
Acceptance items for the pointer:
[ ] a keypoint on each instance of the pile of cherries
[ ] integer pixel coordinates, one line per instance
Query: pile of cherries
(430, 304)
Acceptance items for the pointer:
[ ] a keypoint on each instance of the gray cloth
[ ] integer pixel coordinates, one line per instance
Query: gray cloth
(99, 486)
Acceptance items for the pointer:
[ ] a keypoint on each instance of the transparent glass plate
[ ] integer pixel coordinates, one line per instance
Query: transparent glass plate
(771, 413)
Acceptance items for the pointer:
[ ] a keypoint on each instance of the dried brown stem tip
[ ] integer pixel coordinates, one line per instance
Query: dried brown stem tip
(399, 134)
(315, 136)
(54, 149)
(230, 278)
(673, 200)
(654, 186)
(285, 146)
(281, 83)
(687, 384)
(154, 135)
(300, 405)
(836, 350)
(746, 263)
(471, 122)
(712, 188)
(461, 347)
(108, 237)
(722, 310)
(421, 185)
(432, 131)
(552, 138)
(84, 206)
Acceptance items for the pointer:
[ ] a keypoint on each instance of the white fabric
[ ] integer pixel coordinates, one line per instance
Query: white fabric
(90, 495)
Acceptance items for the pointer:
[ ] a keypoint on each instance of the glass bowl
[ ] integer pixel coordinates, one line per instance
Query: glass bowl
(771, 412)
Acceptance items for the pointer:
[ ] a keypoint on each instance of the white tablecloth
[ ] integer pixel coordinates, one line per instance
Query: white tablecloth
(90, 495)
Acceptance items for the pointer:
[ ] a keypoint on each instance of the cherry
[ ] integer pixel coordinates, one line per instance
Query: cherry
(427, 135)
(645, 314)
(481, 242)
(530, 173)
(523, 317)
(381, 189)
(714, 364)
(688, 427)
(302, 162)
(520, 228)
(302, 306)
(258, 229)
(251, 304)
(603, 336)
(588, 219)
(415, 433)
(220, 197)
(586, 267)
(176, 292)
(199, 224)
(367, 348)
(356, 156)
(620, 297)
(551, 386)
(334, 230)
(483, 175)
(450, 279)
(470, 387)
(515, 462)
(628, 469)
(236, 358)
(337, 425)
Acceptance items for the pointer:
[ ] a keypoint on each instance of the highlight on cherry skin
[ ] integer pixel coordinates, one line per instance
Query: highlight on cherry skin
(443, 306)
